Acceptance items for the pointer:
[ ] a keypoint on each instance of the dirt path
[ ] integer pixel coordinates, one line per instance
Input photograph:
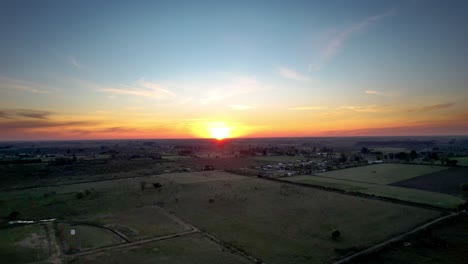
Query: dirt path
(395, 239)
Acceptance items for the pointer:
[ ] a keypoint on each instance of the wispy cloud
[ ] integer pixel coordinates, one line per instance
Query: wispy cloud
(338, 40)
(371, 92)
(240, 107)
(24, 113)
(140, 88)
(431, 107)
(307, 108)
(292, 75)
(75, 63)
(24, 86)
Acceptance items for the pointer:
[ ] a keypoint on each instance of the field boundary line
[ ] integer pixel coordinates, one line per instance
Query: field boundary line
(231, 248)
(363, 195)
(386, 243)
(132, 244)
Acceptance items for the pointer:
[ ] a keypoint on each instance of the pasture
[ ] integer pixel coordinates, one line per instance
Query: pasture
(23, 244)
(385, 173)
(195, 248)
(85, 237)
(276, 222)
(282, 223)
(417, 196)
(463, 161)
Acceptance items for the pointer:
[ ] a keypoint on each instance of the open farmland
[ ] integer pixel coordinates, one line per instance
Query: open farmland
(272, 221)
(196, 249)
(382, 173)
(405, 194)
(23, 244)
(445, 244)
(281, 223)
(463, 161)
(85, 237)
(447, 181)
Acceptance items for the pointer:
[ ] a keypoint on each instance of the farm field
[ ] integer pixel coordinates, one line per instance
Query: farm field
(400, 193)
(444, 244)
(23, 244)
(385, 173)
(276, 222)
(463, 161)
(282, 223)
(138, 223)
(195, 248)
(447, 181)
(86, 237)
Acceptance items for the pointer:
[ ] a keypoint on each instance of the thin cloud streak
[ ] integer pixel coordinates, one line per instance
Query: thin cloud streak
(292, 75)
(28, 113)
(142, 88)
(75, 63)
(24, 86)
(335, 43)
(432, 107)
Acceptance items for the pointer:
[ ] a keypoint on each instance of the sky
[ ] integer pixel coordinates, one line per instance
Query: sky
(183, 69)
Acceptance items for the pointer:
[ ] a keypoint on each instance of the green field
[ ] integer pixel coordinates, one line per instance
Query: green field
(138, 223)
(400, 193)
(86, 237)
(385, 173)
(276, 222)
(195, 249)
(463, 161)
(282, 223)
(23, 244)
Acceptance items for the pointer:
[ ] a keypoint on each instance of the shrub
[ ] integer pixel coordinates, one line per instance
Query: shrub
(79, 195)
(157, 185)
(211, 201)
(13, 215)
(335, 234)
(464, 187)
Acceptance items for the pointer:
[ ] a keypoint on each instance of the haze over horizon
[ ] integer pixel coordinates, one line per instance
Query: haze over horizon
(190, 69)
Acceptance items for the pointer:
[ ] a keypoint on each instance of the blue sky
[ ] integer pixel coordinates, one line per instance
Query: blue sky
(234, 61)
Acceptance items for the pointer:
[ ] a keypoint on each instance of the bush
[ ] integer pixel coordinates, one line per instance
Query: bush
(13, 215)
(335, 234)
(157, 185)
(211, 201)
(464, 187)
(79, 195)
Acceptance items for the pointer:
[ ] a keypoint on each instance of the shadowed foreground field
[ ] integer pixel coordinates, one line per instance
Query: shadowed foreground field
(275, 222)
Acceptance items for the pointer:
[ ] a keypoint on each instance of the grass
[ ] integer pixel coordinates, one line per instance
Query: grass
(445, 244)
(195, 248)
(382, 173)
(279, 223)
(86, 237)
(139, 223)
(282, 223)
(23, 244)
(400, 193)
(463, 161)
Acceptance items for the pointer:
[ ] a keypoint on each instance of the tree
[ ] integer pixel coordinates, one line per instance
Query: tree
(413, 154)
(364, 150)
(13, 215)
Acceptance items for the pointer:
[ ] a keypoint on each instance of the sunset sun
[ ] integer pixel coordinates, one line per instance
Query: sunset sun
(219, 131)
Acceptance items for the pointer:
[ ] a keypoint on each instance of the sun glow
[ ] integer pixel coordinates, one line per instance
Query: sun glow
(219, 131)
